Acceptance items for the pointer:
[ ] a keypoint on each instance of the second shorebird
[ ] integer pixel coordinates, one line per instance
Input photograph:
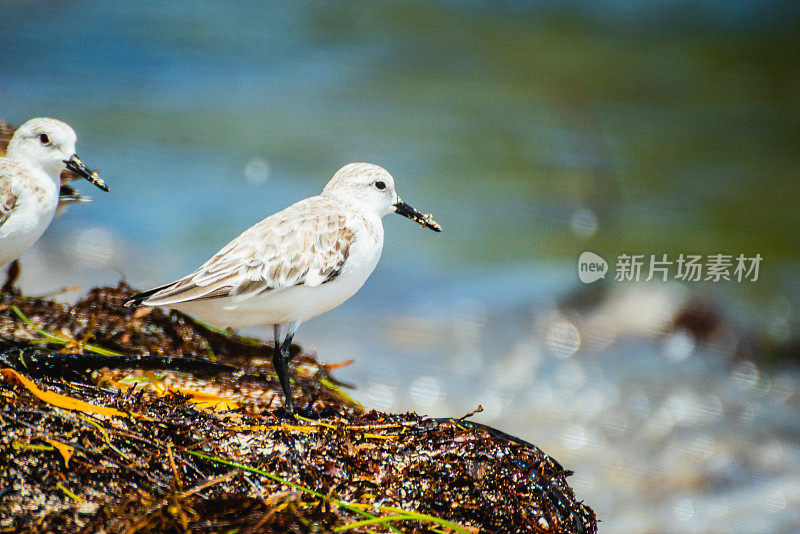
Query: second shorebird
(295, 264)
(30, 178)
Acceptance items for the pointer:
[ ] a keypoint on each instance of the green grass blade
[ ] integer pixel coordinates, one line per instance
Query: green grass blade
(425, 517)
(373, 521)
(276, 478)
(60, 340)
(336, 389)
(36, 328)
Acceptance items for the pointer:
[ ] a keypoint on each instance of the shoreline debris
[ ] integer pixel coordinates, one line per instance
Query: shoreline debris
(183, 431)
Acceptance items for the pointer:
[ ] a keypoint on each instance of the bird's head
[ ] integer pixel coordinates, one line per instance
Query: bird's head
(371, 188)
(50, 144)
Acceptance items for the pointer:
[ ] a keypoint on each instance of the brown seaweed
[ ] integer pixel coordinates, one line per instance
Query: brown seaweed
(202, 445)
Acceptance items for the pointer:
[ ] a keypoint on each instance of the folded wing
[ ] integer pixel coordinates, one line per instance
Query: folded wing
(297, 246)
(8, 197)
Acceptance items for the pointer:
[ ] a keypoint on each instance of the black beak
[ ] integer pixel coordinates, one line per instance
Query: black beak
(76, 165)
(425, 220)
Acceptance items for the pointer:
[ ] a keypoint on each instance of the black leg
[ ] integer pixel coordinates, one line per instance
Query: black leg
(13, 273)
(280, 359)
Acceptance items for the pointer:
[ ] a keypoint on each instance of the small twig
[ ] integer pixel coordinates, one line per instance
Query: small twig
(178, 482)
(56, 292)
(209, 483)
(479, 409)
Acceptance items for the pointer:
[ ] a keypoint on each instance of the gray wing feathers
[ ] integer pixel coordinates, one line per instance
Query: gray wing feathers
(297, 246)
(8, 197)
(6, 132)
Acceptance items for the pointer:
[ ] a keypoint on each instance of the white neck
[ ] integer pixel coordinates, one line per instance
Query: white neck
(51, 168)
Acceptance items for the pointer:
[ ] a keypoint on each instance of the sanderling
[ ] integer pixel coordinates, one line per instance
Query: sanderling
(295, 264)
(67, 195)
(30, 180)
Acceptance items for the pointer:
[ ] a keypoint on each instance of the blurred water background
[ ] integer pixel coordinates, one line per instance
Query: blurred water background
(533, 134)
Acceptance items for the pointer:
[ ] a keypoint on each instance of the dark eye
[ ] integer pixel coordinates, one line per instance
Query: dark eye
(380, 185)
(44, 139)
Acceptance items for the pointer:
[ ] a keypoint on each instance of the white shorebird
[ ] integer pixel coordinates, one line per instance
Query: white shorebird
(30, 180)
(295, 264)
(67, 194)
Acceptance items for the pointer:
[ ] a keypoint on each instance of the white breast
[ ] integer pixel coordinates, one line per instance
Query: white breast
(34, 209)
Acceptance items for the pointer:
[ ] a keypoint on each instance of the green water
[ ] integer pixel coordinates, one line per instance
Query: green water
(677, 131)
(681, 141)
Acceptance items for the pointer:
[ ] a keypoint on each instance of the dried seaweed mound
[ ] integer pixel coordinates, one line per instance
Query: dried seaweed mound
(147, 422)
